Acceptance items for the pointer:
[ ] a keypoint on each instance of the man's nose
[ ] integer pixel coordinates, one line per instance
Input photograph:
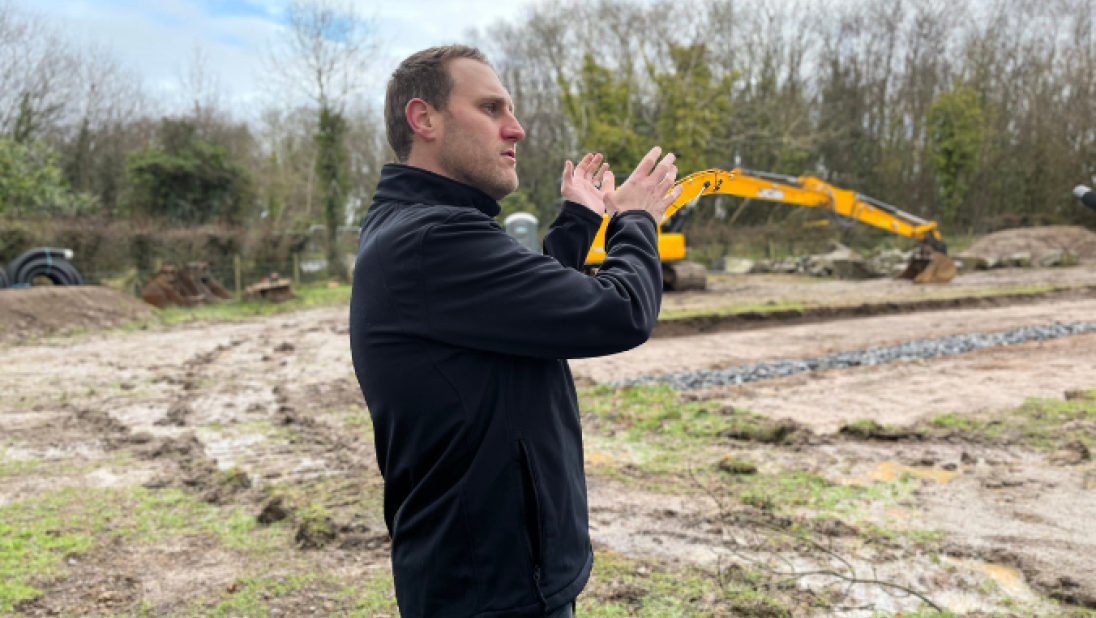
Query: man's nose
(512, 131)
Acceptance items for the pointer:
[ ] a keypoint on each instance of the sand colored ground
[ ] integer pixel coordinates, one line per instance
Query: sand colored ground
(758, 291)
(737, 348)
(243, 381)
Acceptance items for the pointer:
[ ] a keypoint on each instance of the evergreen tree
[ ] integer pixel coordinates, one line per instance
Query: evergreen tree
(187, 179)
(694, 114)
(956, 128)
(333, 175)
(601, 109)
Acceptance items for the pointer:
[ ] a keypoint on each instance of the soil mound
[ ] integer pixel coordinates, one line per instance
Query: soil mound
(1037, 241)
(45, 310)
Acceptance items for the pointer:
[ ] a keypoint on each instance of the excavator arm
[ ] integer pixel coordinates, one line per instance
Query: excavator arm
(808, 192)
(932, 265)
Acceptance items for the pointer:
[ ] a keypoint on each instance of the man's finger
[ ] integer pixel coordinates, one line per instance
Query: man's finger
(672, 196)
(594, 164)
(584, 165)
(645, 166)
(599, 179)
(608, 181)
(668, 179)
(568, 173)
(664, 167)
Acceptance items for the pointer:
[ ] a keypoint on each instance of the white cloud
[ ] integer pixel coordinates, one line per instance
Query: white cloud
(157, 37)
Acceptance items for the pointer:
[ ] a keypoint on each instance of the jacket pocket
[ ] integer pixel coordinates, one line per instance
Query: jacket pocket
(534, 523)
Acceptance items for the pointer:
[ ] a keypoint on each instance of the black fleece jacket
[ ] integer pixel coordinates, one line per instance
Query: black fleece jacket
(460, 338)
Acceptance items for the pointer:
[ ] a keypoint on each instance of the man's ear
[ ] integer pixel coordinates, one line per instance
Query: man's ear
(423, 119)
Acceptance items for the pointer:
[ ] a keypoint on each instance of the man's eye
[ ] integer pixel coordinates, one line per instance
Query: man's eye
(491, 107)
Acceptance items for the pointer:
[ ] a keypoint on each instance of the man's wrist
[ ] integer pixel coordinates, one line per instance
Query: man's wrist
(637, 211)
(582, 211)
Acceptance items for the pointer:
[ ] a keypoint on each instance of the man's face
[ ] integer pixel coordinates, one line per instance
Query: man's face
(478, 144)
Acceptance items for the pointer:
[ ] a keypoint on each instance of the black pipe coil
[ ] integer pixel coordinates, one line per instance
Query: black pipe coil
(43, 262)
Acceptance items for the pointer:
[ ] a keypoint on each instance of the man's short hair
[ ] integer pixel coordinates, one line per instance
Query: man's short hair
(424, 75)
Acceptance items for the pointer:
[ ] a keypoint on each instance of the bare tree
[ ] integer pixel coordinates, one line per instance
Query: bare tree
(324, 53)
(37, 70)
(200, 88)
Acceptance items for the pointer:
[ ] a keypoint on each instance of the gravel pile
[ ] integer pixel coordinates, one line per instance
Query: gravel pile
(879, 355)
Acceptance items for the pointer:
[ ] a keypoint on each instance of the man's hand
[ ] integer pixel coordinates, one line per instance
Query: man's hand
(648, 188)
(587, 184)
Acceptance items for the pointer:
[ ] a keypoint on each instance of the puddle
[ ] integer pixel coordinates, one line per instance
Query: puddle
(891, 471)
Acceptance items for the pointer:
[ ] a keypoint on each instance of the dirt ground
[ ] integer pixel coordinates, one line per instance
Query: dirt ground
(1037, 241)
(166, 446)
(675, 354)
(37, 311)
(761, 291)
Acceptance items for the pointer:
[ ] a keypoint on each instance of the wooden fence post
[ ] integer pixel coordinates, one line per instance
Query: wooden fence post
(296, 270)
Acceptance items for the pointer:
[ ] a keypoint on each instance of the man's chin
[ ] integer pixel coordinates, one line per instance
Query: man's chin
(499, 190)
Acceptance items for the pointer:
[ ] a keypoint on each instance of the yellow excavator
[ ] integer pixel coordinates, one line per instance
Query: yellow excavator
(930, 263)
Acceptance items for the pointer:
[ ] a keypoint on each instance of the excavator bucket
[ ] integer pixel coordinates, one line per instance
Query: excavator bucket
(928, 266)
(941, 269)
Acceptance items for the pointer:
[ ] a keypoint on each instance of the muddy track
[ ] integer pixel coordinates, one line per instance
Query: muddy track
(751, 320)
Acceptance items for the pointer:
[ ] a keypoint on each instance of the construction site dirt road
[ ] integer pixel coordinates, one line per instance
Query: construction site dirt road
(941, 477)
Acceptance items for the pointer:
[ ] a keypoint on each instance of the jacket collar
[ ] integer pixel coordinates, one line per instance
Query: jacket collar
(404, 183)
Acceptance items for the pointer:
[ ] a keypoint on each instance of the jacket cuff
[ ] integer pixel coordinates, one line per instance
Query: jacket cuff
(582, 212)
(614, 223)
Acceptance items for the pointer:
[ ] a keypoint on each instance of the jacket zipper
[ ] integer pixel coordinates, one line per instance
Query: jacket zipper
(538, 557)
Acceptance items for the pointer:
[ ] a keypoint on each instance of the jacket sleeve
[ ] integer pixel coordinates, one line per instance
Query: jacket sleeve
(482, 291)
(571, 235)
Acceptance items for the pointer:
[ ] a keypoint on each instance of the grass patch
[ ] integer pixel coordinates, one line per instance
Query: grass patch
(16, 467)
(803, 493)
(806, 303)
(295, 594)
(307, 297)
(1040, 423)
(661, 435)
(954, 421)
(37, 535)
(59, 467)
(378, 597)
(725, 310)
(252, 596)
(358, 419)
(620, 586)
(641, 413)
(664, 433)
(864, 429)
(165, 513)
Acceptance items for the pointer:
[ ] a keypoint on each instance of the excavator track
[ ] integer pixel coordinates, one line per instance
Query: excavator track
(683, 275)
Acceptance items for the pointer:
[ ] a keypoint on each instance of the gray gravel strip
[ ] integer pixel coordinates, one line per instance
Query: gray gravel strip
(878, 355)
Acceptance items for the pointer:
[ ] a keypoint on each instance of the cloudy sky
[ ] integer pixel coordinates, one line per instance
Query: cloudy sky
(158, 37)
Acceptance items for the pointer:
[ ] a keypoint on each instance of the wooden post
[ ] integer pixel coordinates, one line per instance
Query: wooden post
(236, 264)
(296, 270)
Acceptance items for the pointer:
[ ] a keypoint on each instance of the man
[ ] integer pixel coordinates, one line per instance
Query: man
(460, 335)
